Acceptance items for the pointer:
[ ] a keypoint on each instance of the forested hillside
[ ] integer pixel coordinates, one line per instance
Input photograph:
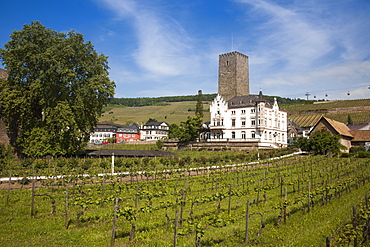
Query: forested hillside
(135, 102)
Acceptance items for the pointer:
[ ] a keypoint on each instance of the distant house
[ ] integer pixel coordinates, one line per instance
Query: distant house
(359, 126)
(361, 138)
(154, 131)
(104, 132)
(128, 133)
(295, 131)
(336, 128)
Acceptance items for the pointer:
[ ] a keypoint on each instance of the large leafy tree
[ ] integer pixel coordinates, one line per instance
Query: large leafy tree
(323, 142)
(55, 91)
(187, 131)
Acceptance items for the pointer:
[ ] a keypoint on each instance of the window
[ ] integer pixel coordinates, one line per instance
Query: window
(243, 111)
(253, 134)
(232, 112)
(243, 121)
(233, 122)
(243, 134)
(253, 110)
(233, 135)
(253, 122)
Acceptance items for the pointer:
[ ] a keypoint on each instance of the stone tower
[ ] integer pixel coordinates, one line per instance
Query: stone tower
(233, 75)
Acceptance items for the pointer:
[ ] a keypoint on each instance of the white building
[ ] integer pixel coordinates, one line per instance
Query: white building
(250, 118)
(154, 131)
(104, 132)
(237, 116)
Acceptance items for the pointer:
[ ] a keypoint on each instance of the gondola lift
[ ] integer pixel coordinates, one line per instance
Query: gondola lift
(348, 93)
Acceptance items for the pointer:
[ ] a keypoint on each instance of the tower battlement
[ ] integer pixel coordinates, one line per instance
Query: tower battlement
(233, 53)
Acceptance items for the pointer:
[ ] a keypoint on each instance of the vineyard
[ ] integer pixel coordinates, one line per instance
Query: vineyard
(308, 120)
(326, 105)
(224, 200)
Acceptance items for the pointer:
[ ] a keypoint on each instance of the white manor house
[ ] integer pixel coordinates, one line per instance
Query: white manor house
(237, 116)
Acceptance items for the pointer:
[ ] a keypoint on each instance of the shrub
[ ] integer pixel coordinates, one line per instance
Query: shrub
(363, 154)
(356, 149)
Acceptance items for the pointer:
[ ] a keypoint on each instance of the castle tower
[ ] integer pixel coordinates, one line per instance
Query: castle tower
(233, 75)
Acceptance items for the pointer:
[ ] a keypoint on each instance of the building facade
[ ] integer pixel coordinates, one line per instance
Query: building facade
(154, 131)
(237, 116)
(104, 132)
(128, 133)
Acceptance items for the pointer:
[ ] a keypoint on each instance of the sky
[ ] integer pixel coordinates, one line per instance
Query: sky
(319, 48)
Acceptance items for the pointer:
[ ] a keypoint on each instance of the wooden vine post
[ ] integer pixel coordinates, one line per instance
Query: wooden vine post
(8, 194)
(116, 208)
(309, 198)
(175, 229)
(246, 222)
(229, 204)
(285, 203)
(137, 200)
(66, 220)
(354, 223)
(182, 205)
(33, 198)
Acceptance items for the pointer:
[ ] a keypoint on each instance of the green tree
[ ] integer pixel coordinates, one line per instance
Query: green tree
(55, 91)
(174, 131)
(199, 106)
(349, 119)
(323, 142)
(303, 143)
(187, 131)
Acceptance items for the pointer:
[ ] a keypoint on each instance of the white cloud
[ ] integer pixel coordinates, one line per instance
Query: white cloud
(163, 47)
(286, 38)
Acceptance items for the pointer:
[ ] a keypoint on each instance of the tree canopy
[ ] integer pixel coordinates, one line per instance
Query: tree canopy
(55, 91)
(199, 106)
(321, 142)
(187, 130)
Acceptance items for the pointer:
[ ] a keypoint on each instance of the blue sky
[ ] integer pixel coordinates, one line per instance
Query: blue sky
(171, 47)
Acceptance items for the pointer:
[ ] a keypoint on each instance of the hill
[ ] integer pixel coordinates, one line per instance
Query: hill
(172, 112)
(304, 113)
